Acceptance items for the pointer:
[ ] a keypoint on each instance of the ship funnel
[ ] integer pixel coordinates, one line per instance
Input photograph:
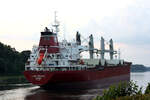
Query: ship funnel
(91, 46)
(78, 40)
(111, 48)
(102, 48)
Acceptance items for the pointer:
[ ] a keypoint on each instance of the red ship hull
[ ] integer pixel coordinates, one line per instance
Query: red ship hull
(90, 78)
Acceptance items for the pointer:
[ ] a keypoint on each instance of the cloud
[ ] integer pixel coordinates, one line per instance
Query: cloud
(130, 25)
(137, 54)
(129, 28)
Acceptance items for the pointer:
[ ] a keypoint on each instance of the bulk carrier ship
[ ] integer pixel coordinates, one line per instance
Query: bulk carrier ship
(56, 65)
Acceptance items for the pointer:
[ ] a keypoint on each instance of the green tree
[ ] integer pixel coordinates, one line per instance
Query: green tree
(12, 61)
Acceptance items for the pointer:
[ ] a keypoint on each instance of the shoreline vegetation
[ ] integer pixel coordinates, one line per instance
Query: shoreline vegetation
(15, 79)
(12, 82)
(139, 68)
(125, 91)
(12, 65)
(12, 62)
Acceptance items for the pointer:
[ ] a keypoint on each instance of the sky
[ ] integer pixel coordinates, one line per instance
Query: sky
(126, 21)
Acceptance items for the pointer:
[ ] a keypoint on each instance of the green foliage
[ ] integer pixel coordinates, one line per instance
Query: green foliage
(11, 61)
(122, 89)
(147, 91)
(125, 91)
(4, 80)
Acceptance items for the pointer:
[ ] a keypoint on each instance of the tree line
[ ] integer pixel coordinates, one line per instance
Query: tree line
(12, 61)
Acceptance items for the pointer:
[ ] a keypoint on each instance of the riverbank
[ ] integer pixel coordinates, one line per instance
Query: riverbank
(13, 81)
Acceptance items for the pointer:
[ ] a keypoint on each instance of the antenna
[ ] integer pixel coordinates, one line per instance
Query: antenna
(119, 53)
(64, 31)
(56, 24)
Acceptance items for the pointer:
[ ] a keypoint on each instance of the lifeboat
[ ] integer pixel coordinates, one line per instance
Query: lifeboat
(40, 59)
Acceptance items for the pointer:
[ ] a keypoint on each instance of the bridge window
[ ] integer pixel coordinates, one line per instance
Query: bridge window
(46, 38)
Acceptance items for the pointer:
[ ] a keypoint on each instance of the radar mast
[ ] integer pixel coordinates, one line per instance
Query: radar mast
(56, 23)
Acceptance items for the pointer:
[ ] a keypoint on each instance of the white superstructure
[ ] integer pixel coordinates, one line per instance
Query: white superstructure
(69, 56)
(51, 53)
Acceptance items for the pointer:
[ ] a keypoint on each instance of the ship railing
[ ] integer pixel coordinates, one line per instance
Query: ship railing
(58, 68)
(45, 47)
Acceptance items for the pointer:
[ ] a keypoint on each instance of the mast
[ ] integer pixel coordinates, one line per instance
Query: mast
(111, 48)
(78, 40)
(91, 47)
(102, 48)
(56, 24)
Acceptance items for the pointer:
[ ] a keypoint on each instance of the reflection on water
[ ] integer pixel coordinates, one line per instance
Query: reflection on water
(63, 95)
(13, 86)
(142, 79)
(36, 93)
(16, 94)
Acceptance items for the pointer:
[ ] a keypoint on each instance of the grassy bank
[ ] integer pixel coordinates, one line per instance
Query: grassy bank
(12, 79)
(125, 91)
(8, 82)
